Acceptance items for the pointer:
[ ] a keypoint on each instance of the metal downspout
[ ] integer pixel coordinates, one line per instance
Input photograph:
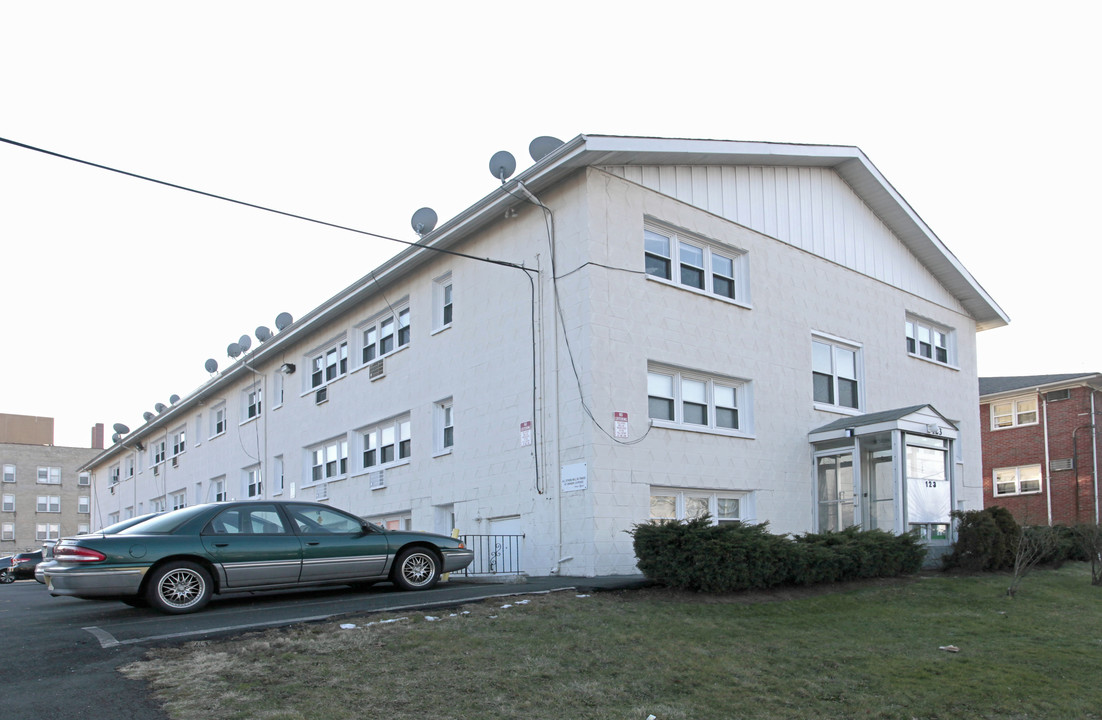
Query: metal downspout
(1047, 471)
(1094, 456)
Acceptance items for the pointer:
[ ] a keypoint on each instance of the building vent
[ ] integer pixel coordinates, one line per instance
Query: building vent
(1058, 395)
(175, 462)
(321, 491)
(156, 469)
(376, 480)
(376, 370)
(321, 396)
(1062, 464)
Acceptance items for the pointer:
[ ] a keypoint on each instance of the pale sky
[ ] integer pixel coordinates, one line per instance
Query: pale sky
(114, 291)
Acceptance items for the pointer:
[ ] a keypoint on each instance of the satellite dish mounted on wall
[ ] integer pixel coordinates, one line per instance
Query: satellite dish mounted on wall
(503, 165)
(245, 342)
(233, 350)
(283, 320)
(147, 415)
(120, 428)
(424, 220)
(263, 334)
(173, 399)
(543, 146)
(211, 365)
(115, 438)
(160, 407)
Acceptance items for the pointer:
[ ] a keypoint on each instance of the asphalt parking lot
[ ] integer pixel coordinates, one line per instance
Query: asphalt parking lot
(61, 654)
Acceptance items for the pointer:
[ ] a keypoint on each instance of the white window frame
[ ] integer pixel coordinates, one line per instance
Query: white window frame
(253, 482)
(178, 499)
(1017, 480)
(252, 402)
(7, 531)
(128, 466)
(84, 479)
(1018, 412)
(327, 461)
(444, 424)
(395, 325)
(682, 382)
(218, 420)
(47, 531)
(9, 473)
(686, 504)
(678, 259)
(277, 475)
(83, 528)
(837, 345)
(443, 303)
(84, 504)
(179, 441)
(158, 504)
(52, 475)
(218, 489)
(930, 341)
(396, 433)
(48, 504)
(157, 450)
(8, 503)
(327, 364)
(113, 475)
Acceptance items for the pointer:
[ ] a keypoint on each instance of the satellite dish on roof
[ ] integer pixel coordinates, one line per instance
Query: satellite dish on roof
(115, 438)
(263, 334)
(173, 399)
(283, 320)
(120, 428)
(424, 220)
(543, 146)
(245, 342)
(502, 165)
(233, 349)
(160, 407)
(211, 365)
(147, 415)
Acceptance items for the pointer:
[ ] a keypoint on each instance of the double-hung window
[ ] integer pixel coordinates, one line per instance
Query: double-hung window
(49, 503)
(385, 335)
(835, 374)
(695, 263)
(254, 398)
(387, 443)
(445, 427)
(929, 340)
(254, 488)
(9, 473)
(218, 421)
(158, 452)
(1017, 480)
(1013, 413)
(328, 365)
(84, 504)
(696, 401)
(179, 443)
(329, 460)
(9, 503)
(113, 475)
(49, 475)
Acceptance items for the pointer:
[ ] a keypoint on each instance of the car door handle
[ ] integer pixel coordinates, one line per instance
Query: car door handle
(221, 544)
(314, 542)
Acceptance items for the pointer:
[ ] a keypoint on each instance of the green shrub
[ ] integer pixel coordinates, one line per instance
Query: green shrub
(730, 557)
(986, 540)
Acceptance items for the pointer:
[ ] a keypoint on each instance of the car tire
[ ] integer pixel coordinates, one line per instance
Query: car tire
(178, 587)
(416, 568)
(7, 577)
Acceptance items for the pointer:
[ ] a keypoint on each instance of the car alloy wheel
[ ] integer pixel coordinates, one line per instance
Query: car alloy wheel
(6, 576)
(417, 569)
(179, 587)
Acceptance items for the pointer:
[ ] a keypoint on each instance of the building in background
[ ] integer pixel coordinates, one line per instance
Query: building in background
(632, 329)
(1040, 446)
(45, 494)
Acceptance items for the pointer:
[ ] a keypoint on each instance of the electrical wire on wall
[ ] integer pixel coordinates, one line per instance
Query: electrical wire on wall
(549, 226)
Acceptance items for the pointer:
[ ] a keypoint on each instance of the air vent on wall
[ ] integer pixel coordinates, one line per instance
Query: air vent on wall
(376, 370)
(376, 480)
(1061, 464)
(1058, 395)
(321, 491)
(321, 396)
(175, 462)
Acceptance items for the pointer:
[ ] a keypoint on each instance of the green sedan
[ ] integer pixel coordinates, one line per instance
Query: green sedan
(176, 561)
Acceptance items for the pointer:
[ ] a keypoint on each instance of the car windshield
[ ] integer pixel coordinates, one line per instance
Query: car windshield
(122, 525)
(165, 523)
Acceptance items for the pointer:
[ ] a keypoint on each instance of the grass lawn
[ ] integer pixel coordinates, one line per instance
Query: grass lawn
(867, 650)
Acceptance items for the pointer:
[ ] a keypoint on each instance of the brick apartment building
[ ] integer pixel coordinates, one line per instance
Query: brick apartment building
(1041, 446)
(44, 494)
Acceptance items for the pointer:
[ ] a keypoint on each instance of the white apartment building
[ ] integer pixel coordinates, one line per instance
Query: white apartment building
(760, 332)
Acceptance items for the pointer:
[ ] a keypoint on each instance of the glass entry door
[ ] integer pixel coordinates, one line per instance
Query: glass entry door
(835, 481)
(878, 488)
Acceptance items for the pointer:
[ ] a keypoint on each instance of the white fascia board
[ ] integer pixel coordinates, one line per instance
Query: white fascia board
(1091, 380)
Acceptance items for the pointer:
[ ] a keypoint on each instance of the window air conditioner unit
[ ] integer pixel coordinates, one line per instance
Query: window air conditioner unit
(1058, 395)
(321, 396)
(175, 462)
(376, 480)
(321, 491)
(156, 469)
(376, 370)
(1061, 464)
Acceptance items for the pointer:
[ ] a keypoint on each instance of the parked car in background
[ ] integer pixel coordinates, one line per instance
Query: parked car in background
(177, 561)
(21, 566)
(5, 566)
(49, 561)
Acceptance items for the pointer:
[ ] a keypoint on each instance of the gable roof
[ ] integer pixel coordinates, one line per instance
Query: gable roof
(879, 421)
(1012, 383)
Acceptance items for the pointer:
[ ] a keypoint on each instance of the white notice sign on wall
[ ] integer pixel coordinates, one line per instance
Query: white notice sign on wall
(574, 477)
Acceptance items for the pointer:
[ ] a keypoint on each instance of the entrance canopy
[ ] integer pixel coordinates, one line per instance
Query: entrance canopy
(918, 419)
